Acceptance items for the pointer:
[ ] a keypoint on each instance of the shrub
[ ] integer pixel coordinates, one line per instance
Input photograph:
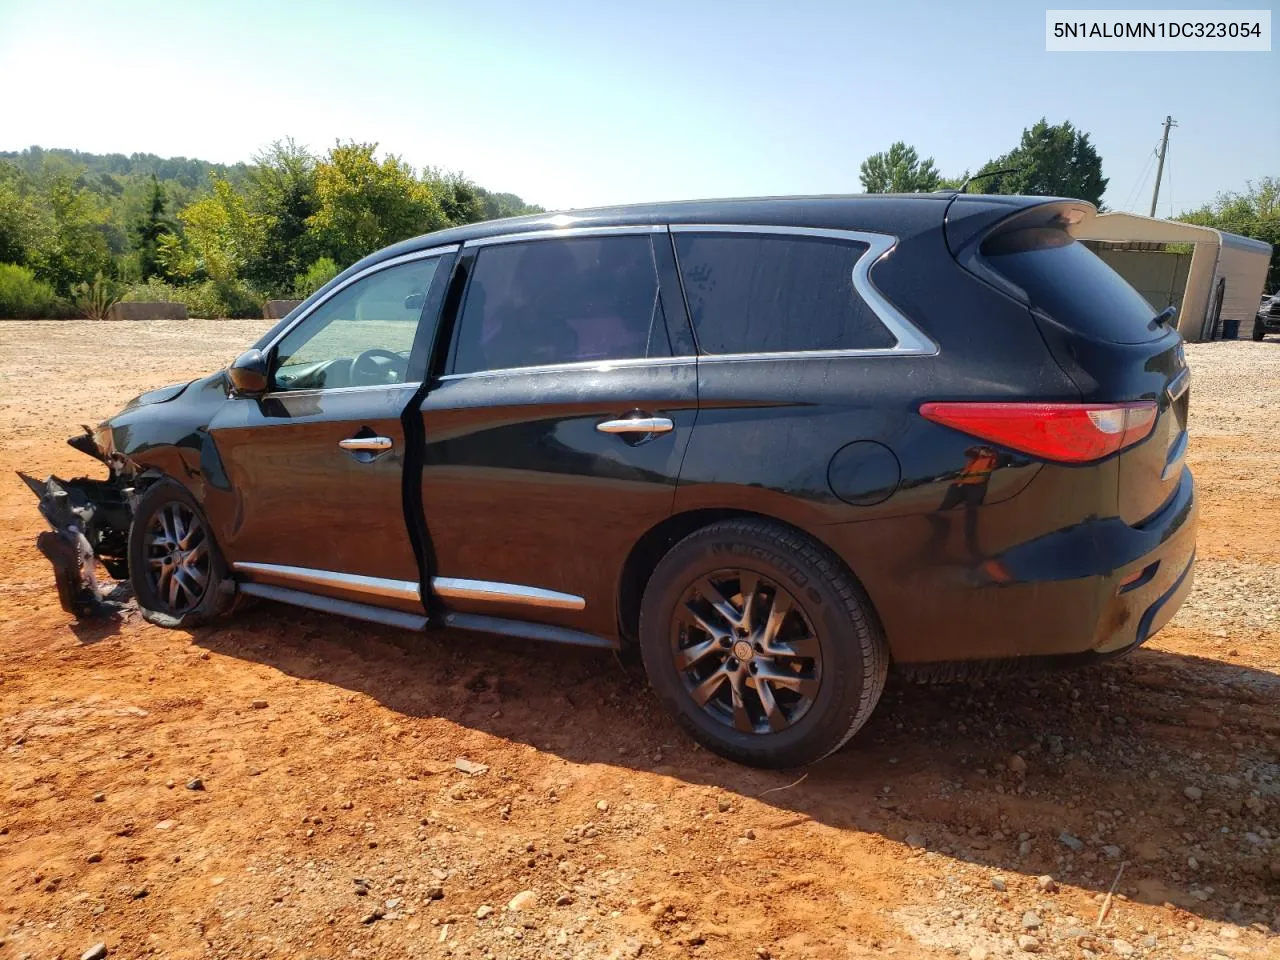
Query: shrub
(153, 291)
(94, 298)
(314, 277)
(22, 295)
(212, 298)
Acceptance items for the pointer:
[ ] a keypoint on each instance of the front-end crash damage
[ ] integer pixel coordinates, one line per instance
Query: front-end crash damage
(90, 520)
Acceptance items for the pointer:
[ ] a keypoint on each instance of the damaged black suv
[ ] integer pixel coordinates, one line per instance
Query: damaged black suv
(778, 444)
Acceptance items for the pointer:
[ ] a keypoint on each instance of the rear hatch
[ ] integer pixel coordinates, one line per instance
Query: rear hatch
(1103, 333)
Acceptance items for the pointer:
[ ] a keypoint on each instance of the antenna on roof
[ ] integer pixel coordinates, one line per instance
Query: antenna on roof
(984, 176)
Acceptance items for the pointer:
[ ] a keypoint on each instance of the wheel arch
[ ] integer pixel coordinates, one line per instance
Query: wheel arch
(649, 550)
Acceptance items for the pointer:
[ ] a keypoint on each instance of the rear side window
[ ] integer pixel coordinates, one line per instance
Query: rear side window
(561, 301)
(762, 293)
(1066, 280)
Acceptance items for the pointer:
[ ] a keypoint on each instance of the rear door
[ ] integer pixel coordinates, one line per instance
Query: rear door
(554, 439)
(317, 464)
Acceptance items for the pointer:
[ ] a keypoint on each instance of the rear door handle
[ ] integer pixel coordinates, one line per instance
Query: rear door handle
(636, 425)
(374, 444)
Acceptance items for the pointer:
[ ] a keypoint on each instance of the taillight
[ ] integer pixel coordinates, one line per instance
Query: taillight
(1065, 432)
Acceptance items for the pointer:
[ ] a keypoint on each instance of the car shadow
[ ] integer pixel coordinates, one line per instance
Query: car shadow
(1068, 774)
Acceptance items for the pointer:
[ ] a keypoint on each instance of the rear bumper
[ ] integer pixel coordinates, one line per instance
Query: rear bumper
(1095, 588)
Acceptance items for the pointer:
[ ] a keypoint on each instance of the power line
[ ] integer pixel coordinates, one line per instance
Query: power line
(1135, 191)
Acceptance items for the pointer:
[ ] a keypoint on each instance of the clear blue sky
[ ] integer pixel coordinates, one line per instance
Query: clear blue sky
(575, 103)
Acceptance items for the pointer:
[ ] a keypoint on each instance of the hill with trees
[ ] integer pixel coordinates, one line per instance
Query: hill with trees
(80, 229)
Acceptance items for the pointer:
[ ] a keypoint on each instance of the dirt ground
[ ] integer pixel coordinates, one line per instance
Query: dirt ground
(332, 822)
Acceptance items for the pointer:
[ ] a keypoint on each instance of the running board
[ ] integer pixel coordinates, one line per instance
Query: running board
(521, 628)
(360, 611)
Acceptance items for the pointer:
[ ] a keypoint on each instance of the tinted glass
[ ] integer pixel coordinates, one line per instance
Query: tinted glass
(752, 293)
(359, 337)
(561, 301)
(1072, 285)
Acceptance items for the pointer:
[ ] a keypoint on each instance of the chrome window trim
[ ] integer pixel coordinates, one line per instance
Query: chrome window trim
(371, 586)
(411, 385)
(597, 366)
(355, 277)
(564, 233)
(454, 588)
(911, 341)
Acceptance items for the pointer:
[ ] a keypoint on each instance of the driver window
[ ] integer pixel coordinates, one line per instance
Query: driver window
(359, 337)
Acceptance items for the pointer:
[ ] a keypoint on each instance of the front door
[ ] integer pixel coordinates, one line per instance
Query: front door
(317, 463)
(554, 440)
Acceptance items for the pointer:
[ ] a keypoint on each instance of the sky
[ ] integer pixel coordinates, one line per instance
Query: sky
(571, 104)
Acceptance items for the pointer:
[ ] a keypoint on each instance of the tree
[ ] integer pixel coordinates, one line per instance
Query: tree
(148, 230)
(898, 170)
(1253, 213)
(364, 204)
(71, 237)
(1051, 161)
(281, 199)
(19, 215)
(218, 237)
(460, 199)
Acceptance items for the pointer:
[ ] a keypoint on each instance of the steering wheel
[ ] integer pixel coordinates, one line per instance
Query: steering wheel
(377, 365)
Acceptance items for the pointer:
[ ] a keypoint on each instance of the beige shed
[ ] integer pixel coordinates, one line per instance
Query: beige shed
(1222, 279)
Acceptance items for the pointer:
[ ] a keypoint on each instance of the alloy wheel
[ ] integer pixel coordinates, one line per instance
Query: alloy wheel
(178, 558)
(746, 651)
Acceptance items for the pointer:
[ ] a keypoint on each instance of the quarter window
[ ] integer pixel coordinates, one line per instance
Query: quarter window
(561, 301)
(761, 293)
(361, 336)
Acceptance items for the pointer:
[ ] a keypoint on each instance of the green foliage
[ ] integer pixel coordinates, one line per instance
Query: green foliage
(1051, 161)
(364, 204)
(94, 298)
(219, 237)
(150, 291)
(212, 299)
(1255, 213)
(19, 215)
(149, 229)
(281, 199)
(899, 170)
(22, 296)
(71, 241)
(314, 277)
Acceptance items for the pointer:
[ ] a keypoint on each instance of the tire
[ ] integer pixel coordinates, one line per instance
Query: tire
(197, 603)
(816, 702)
(1259, 330)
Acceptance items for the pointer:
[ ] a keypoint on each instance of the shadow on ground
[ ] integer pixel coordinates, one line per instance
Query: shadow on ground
(1105, 754)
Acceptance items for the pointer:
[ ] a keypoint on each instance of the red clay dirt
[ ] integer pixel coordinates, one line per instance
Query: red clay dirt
(332, 822)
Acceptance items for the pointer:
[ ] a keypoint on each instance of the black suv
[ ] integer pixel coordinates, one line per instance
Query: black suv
(1268, 318)
(779, 444)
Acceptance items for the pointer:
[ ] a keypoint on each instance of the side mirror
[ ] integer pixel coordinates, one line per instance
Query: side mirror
(415, 301)
(248, 374)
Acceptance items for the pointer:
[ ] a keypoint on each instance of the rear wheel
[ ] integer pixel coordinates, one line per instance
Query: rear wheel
(174, 565)
(761, 644)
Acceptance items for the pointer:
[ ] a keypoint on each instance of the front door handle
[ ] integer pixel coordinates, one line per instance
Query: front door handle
(636, 425)
(372, 444)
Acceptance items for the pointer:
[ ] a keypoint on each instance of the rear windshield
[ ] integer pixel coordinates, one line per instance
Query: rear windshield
(1067, 281)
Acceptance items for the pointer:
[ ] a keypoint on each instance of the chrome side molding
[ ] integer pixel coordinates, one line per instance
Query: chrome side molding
(453, 588)
(449, 588)
(372, 586)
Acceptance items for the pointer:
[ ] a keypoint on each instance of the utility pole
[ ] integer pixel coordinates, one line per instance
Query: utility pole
(1164, 146)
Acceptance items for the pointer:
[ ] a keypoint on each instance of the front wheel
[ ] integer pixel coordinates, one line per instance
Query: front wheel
(174, 564)
(1259, 330)
(761, 644)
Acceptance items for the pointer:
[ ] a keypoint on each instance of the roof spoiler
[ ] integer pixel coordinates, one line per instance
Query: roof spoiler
(973, 219)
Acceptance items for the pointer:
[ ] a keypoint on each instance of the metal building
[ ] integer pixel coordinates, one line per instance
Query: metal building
(1209, 275)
